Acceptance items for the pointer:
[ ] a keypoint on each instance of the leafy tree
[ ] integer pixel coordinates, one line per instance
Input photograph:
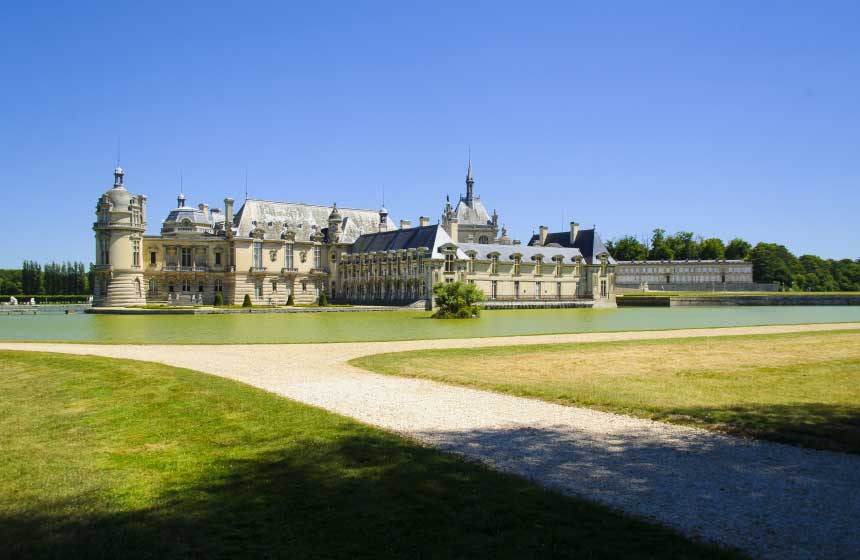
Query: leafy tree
(323, 300)
(247, 301)
(712, 249)
(219, 299)
(628, 248)
(456, 300)
(684, 245)
(660, 249)
(774, 263)
(738, 249)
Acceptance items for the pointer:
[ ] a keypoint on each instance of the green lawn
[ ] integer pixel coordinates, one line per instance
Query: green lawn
(801, 389)
(104, 458)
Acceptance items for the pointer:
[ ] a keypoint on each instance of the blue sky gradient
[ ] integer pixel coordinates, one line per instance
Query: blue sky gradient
(723, 118)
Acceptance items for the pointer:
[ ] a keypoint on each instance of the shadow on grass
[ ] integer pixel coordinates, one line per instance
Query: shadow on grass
(816, 425)
(371, 496)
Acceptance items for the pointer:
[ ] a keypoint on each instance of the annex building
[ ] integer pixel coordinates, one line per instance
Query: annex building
(273, 250)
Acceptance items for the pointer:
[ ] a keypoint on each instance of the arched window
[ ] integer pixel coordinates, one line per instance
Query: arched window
(137, 288)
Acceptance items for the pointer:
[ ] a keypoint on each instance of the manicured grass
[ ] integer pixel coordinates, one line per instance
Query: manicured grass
(105, 458)
(734, 294)
(801, 389)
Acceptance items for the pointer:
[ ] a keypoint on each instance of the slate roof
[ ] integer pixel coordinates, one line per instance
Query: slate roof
(304, 219)
(484, 250)
(587, 241)
(430, 237)
(474, 214)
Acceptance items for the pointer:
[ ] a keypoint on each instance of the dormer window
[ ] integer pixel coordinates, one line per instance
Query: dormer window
(538, 265)
(450, 262)
(494, 264)
(516, 267)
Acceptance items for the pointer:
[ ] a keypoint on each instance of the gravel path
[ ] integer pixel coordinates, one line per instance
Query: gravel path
(770, 500)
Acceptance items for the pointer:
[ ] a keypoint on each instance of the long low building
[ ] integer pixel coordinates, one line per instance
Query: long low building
(688, 275)
(270, 251)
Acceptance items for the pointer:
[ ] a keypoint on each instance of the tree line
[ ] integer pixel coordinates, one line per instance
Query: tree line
(771, 262)
(67, 278)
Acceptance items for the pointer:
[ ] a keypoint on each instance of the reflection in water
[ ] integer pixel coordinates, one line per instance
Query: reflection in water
(395, 325)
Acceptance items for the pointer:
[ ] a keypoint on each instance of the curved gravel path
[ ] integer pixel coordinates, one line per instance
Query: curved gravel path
(770, 500)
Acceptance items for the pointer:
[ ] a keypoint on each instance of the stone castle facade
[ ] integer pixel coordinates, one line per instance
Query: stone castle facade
(273, 250)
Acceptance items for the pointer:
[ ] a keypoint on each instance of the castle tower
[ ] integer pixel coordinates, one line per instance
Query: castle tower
(119, 228)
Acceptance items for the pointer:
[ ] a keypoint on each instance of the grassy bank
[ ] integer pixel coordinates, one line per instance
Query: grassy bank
(802, 389)
(110, 458)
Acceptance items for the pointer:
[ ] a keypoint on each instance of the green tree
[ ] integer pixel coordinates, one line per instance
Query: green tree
(660, 249)
(456, 300)
(816, 276)
(738, 249)
(323, 302)
(247, 301)
(774, 263)
(628, 248)
(684, 245)
(712, 249)
(219, 299)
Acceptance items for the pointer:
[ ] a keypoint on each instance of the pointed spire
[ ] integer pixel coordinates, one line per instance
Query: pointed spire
(470, 181)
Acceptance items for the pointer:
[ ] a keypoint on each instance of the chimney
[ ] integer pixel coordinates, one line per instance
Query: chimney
(423, 221)
(453, 229)
(544, 231)
(405, 224)
(203, 207)
(574, 231)
(228, 216)
(142, 198)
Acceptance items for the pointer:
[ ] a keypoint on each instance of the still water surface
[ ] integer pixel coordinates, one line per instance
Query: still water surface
(395, 325)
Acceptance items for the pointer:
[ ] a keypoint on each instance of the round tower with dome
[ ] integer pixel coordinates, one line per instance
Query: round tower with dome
(119, 228)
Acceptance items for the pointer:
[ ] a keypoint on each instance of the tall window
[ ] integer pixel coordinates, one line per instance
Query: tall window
(450, 262)
(186, 285)
(104, 250)
(186, 256)
(152, 257)
(538, 289)
(219, 286)
(494, 289)
(317, 257)
(558, 267)
(517, 290)
(217, 258)
(288, 255)
(471, 263)
(516, 268)
(135, 253)
(258, 256)
(258, 289)
(558, 290)
(153, 287)
(494, 264)
(538, 265)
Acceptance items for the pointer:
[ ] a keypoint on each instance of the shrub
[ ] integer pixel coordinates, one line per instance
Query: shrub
(247, 301)
(456, 300)
(290, 300)
(323, 299)
(219, 299)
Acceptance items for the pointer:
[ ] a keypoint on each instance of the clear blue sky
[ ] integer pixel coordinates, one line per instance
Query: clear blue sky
(724, 118)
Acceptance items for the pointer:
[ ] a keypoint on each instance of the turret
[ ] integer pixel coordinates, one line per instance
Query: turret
(383, 219)
(119, 228)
